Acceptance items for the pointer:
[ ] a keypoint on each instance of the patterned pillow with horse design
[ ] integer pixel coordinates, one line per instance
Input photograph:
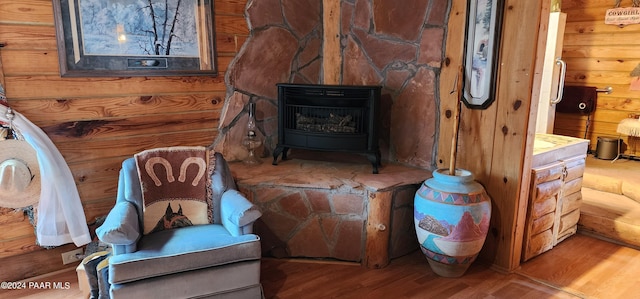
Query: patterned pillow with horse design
(175, 187)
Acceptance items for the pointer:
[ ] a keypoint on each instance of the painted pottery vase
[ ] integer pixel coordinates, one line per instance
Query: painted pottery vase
(451, 216)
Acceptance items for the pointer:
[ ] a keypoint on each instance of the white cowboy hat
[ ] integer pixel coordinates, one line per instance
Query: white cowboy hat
(19, 174)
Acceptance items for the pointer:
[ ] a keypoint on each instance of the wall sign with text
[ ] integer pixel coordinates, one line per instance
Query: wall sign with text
(622, 16)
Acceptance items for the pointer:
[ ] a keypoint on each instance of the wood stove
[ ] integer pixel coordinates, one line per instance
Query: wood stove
(328, 118)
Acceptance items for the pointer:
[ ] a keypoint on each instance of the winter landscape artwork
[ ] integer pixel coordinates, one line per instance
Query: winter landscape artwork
(139, 28)
(135, 37)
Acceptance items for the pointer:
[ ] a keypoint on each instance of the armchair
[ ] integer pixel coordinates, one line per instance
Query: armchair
(216, 260)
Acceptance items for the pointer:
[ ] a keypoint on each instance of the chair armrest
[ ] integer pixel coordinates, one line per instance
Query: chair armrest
(237, 212)
(121, 225)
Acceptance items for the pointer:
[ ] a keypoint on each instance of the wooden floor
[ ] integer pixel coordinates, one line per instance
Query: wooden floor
(579, 267)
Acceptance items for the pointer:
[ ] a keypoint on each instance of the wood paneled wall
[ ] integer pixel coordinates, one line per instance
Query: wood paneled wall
(493, 142)
(98, 122)
(599, 55)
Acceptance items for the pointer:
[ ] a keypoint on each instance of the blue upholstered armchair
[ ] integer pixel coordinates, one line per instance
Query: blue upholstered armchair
(218, 259)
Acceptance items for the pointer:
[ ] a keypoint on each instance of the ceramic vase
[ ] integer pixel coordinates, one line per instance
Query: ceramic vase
(451, 217)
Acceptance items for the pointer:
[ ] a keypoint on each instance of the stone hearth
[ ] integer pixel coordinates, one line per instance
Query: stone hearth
(338, 210)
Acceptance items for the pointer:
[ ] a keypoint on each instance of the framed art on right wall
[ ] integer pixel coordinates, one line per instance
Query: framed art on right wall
(481, 52)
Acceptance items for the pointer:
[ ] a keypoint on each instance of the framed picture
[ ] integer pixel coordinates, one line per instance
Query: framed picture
(121, 38)
(481, 52)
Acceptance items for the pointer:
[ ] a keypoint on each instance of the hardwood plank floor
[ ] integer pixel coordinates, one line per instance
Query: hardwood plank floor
(406, 277)
(588, 267)
(579, 267)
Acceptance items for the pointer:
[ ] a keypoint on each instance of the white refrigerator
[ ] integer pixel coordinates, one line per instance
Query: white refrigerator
(553, 74)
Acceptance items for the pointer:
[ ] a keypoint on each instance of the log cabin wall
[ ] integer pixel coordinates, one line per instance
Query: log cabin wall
(599, 55)
(98, 122)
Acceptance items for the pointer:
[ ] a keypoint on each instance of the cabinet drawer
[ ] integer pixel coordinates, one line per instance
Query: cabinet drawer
(571, 202)
(572, 186)
(568, 221)
(543, 223)
(545, 190)
(574, 167)
(546, 173)
(543, 207)
(539, 244)
(567, 233)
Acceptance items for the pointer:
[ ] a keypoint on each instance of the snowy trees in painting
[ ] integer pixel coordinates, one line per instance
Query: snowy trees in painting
(139, 27)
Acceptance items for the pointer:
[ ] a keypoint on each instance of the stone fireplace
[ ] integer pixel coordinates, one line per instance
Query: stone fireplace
(394, 44)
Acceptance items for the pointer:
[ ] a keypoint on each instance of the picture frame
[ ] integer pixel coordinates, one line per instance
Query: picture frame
(484, 20)
(124, 38)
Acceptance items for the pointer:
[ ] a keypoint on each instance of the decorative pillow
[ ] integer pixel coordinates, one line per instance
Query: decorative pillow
(175, 184)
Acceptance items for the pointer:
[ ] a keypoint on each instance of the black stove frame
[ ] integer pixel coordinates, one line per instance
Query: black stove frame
(340, 118)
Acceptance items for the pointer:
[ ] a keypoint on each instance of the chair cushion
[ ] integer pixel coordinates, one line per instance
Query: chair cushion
(184, 249)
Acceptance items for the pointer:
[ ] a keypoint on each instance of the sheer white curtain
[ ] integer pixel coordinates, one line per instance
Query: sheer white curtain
(60, 218)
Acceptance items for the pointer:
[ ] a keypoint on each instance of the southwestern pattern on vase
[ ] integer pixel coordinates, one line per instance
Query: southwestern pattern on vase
(451, 227)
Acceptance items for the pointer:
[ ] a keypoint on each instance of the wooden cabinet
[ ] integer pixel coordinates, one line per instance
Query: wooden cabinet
(554, 204)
